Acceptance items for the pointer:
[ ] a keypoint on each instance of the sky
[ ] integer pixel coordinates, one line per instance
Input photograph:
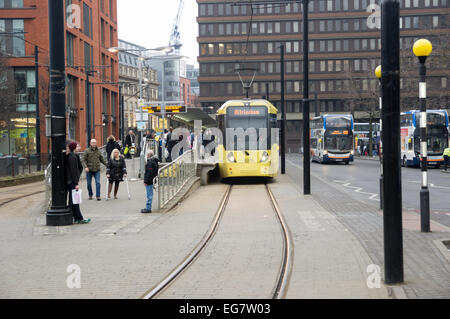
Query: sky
(149, 23)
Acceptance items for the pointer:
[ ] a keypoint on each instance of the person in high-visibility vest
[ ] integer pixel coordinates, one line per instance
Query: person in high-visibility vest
(446, 157)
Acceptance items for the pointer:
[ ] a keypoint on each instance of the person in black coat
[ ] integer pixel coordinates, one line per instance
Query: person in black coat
(151, 171)
(73, 170)
(130, 140)
(115, 171)
(111, 145)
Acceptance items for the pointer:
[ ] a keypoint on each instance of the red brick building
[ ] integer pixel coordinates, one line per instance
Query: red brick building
(185, 94)
(91, 28)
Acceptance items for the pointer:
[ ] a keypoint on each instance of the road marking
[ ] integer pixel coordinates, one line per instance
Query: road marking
(359, 190)
(372, 196)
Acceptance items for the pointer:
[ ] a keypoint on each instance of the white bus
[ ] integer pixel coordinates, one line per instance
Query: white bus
(332, 138)
(437, 132)
(362, 133)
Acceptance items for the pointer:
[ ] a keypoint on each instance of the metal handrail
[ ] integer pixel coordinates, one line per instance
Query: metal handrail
(173, 176)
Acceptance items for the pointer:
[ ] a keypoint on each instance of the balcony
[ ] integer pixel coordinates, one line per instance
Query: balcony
(25, 99)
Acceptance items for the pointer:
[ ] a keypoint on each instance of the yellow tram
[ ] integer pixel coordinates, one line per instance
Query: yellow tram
(249, 145)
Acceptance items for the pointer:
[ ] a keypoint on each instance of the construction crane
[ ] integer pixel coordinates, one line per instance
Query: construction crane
(175, 38)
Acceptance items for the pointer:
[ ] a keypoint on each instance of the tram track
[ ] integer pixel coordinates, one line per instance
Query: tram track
(281, 286)
(10, 200)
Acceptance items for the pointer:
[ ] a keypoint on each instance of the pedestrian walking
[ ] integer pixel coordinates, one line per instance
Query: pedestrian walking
(111, 145)
(151, 171)
(130, 141)
(73, 170)
(91, 160)
(446, 158)
(115, 171)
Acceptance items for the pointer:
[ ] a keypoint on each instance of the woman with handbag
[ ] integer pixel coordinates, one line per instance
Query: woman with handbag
(74, 168)
(115, 171)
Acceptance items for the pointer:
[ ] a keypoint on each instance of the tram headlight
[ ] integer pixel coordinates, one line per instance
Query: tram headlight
(325, 152)
(231, 158)
(352, 152)
(264, 157)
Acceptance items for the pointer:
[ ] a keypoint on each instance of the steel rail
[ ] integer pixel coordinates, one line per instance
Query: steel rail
(173, 275)
(282, 285)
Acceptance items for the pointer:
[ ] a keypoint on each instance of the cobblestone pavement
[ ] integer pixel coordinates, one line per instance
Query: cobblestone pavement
(329, 261)
(243, 260)
(427, 271)
(121, 254)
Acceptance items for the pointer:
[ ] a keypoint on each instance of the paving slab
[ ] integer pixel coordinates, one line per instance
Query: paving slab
(121, 254)
(329, 261)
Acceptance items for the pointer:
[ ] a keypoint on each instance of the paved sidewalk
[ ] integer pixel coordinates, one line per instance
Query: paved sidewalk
(367, 158)
(121, 254)
(426, 259)
(329, 261)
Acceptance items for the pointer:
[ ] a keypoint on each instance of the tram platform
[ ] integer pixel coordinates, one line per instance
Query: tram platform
(123, 253)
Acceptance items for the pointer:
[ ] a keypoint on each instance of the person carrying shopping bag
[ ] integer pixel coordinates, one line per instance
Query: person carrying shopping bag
(73, 172)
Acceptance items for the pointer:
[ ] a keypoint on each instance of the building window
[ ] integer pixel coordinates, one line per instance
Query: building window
(14, 45)
(435, 21)
(87, 20)
(11, 4)
(69, 44)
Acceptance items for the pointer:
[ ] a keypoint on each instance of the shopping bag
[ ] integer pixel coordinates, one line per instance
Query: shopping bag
(76, 197)
(125, 152)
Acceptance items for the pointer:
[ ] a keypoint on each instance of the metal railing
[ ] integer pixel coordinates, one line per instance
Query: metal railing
(22, 165)
(173, 176)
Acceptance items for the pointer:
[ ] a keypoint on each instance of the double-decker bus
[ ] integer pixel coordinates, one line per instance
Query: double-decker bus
(332, 138)
(437, 133)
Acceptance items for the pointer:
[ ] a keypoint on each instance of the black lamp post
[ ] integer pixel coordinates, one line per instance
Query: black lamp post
(422, 49)
(392, 189)
(283, 115)
(59, 214)
(306, 137)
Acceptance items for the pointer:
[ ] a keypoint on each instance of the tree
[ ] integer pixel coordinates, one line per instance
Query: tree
(364, 92)
(438, 61)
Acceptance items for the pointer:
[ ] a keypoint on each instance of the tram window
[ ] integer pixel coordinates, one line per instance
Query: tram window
(243, 118)
(314, 143)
